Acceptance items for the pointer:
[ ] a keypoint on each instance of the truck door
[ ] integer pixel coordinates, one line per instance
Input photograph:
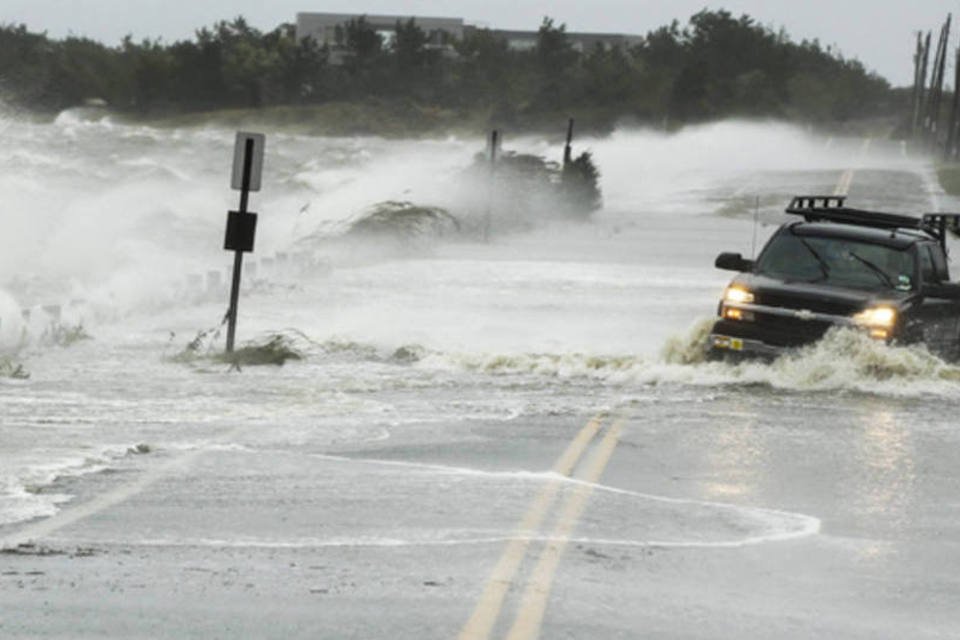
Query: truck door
(941, 318)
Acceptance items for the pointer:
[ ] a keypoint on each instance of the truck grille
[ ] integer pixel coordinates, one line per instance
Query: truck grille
(817, 305)
(789, 332)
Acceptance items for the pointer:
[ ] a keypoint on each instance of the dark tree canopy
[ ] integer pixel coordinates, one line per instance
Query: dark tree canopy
(716, 66)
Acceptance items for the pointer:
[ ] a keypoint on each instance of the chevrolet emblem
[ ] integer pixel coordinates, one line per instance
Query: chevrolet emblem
(804, 314)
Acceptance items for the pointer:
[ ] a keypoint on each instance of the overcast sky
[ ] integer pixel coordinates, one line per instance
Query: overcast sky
(880, 33)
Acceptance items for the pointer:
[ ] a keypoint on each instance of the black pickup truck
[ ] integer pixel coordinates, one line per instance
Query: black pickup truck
(885, 274)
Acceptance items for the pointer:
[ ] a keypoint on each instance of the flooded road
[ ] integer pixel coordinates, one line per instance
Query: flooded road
(511, 439)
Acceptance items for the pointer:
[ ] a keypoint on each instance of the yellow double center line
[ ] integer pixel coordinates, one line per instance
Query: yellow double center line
(534, 600)
(843, 185)
(846, 178)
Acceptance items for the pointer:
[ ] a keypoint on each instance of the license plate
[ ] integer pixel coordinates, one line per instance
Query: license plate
(736, 344)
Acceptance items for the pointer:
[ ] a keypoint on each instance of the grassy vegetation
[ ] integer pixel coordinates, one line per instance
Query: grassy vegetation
(11, 369)
(65, 336)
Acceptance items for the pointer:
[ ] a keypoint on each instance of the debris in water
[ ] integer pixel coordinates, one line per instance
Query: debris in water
(30, 549)
(35, 550)
(409, 354)
(277, 350)
(201, 345)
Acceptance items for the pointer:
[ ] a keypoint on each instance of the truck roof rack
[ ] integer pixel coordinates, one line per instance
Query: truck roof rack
(834, 209)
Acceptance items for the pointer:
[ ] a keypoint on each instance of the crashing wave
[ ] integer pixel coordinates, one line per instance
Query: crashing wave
(91, 114)
(522, 192)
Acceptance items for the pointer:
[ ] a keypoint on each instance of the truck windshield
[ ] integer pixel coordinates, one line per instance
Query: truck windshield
(847, 263)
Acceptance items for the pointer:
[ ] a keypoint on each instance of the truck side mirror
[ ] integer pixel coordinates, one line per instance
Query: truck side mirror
(944, 291)
(733, 262)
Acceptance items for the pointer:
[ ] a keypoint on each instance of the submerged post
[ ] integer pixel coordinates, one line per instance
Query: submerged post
(242, 225)
(494, 144)
(568, 150)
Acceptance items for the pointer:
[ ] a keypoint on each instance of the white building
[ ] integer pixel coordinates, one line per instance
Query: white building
(327, 29)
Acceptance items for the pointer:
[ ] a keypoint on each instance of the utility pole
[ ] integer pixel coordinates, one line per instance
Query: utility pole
(918, 81)
(936, 87)
(920, 124)
(950, 149)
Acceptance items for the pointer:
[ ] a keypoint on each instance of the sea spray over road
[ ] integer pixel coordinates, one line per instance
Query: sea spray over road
(120, 214)
(724, 167)
(11, 324)
(117, 216)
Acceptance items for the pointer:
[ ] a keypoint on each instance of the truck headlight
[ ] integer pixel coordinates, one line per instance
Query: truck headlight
(732, 313)
(879, 320)
(737, 294)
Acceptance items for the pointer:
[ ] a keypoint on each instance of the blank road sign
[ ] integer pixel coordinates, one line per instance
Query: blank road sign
(241, 230)
(256, 164)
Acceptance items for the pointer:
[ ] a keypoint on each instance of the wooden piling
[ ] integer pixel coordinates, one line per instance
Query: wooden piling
(918, 81)
(950, 148)
(938, 94)
(920, 125)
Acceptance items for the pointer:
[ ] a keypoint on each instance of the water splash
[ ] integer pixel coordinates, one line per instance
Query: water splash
(689, 348)
(844, 360)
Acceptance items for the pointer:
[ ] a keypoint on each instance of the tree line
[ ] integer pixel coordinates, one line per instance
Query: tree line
(717, 65)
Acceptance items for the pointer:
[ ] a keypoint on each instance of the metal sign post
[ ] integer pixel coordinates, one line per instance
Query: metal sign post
(242, 225)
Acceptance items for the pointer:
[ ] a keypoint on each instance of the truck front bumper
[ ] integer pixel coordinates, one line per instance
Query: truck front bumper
(722, 346)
